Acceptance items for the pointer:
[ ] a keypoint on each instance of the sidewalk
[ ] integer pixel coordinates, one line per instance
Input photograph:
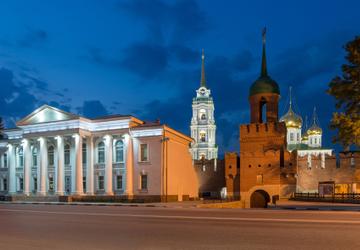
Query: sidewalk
(323, 206)
(184, 204)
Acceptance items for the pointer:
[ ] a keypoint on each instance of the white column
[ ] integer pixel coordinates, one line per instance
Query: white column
(108, 165)
(43, 166)
(12, 169)
(78, 166)
(27, 166)
(90, 166)
(60, 174)
(129, 167)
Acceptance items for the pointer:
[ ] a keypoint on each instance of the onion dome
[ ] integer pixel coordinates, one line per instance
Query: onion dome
(291, 119)
(264, 84)
(315, 128)
(305, 136)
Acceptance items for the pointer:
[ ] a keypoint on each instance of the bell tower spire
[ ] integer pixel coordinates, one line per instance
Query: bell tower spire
(203, 81)
(203, 127)
(263, 62)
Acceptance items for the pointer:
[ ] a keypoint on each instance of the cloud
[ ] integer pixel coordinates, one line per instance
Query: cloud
(15, 97)
(145, 60)
(92, 109)
(33, 38)
(181, 20)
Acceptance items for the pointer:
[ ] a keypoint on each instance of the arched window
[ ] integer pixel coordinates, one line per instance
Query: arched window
(21, 157)
(291, 136)
(34, 157)
(119, 151)
(51, 155)
(202, 136)
(67, 154)
(203, 117)
(101, 152)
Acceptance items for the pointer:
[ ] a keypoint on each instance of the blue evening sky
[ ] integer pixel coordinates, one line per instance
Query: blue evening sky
(142, 57)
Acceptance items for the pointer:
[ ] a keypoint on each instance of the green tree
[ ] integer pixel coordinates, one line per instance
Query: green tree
(346, 90)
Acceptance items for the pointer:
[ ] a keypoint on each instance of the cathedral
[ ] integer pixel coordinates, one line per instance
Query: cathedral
(281, 156)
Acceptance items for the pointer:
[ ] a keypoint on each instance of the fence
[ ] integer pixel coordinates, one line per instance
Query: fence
(336, 197)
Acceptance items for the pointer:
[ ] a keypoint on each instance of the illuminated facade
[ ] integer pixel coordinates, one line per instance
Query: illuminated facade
(56, 153)
(203, 127)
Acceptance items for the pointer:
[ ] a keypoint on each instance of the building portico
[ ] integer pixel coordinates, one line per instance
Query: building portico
(64, 154)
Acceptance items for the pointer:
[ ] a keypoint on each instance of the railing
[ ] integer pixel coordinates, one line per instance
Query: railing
(336, 197)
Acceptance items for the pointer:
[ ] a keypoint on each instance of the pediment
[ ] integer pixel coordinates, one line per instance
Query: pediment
(46, 114)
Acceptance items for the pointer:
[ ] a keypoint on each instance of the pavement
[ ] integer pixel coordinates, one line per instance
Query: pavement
(27, 226)
(283, 204)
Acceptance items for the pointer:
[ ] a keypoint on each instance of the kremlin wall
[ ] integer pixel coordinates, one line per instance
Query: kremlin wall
(279, 156)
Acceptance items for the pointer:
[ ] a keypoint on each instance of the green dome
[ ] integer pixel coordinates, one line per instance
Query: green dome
(264, 84)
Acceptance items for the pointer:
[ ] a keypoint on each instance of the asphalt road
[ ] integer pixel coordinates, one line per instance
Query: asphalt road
(93, 227)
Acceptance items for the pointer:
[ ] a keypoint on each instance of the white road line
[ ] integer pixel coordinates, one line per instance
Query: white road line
(187, 217)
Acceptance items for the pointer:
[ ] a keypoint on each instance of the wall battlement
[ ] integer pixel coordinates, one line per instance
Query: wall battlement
(262, 129)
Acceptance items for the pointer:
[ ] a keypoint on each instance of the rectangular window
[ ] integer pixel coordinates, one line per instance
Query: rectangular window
(352, 162)
(119, 182)
(101, 182)
(34, 160)
(5, 160)
(84, 184)
(84, 154)
(21, 184)
(35, 184)
(298, 136)
(144, 182)
(5, 184)
(259, 179)
(67, 184)
(291, 136)
(144, 152)
(51, 184)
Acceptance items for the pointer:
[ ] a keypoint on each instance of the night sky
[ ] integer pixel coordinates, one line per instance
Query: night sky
(143, 57)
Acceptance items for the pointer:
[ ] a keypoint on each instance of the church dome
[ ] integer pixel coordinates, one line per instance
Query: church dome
(314, 130)
(305, 136)
(264, 84)
(291, 119)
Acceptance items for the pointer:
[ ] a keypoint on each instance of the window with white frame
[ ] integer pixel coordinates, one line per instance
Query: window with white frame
(291, 136)
(21, 157)
(4, 161)
(34, 157)
(51, 184)
(67, 154)
(119, 182)
(21, 184)
(101, 182)
(101, 152)
(51, 156)
(202, 136)
(143, 182)
(119, 151)
(84, 153)
(144, 152)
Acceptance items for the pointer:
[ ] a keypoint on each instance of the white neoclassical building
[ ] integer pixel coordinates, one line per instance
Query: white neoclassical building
(56, 153)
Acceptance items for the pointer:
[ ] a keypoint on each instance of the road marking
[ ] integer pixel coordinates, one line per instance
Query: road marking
(186, 217)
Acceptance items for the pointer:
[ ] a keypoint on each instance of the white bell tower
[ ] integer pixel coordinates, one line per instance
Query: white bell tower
(203, 128)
